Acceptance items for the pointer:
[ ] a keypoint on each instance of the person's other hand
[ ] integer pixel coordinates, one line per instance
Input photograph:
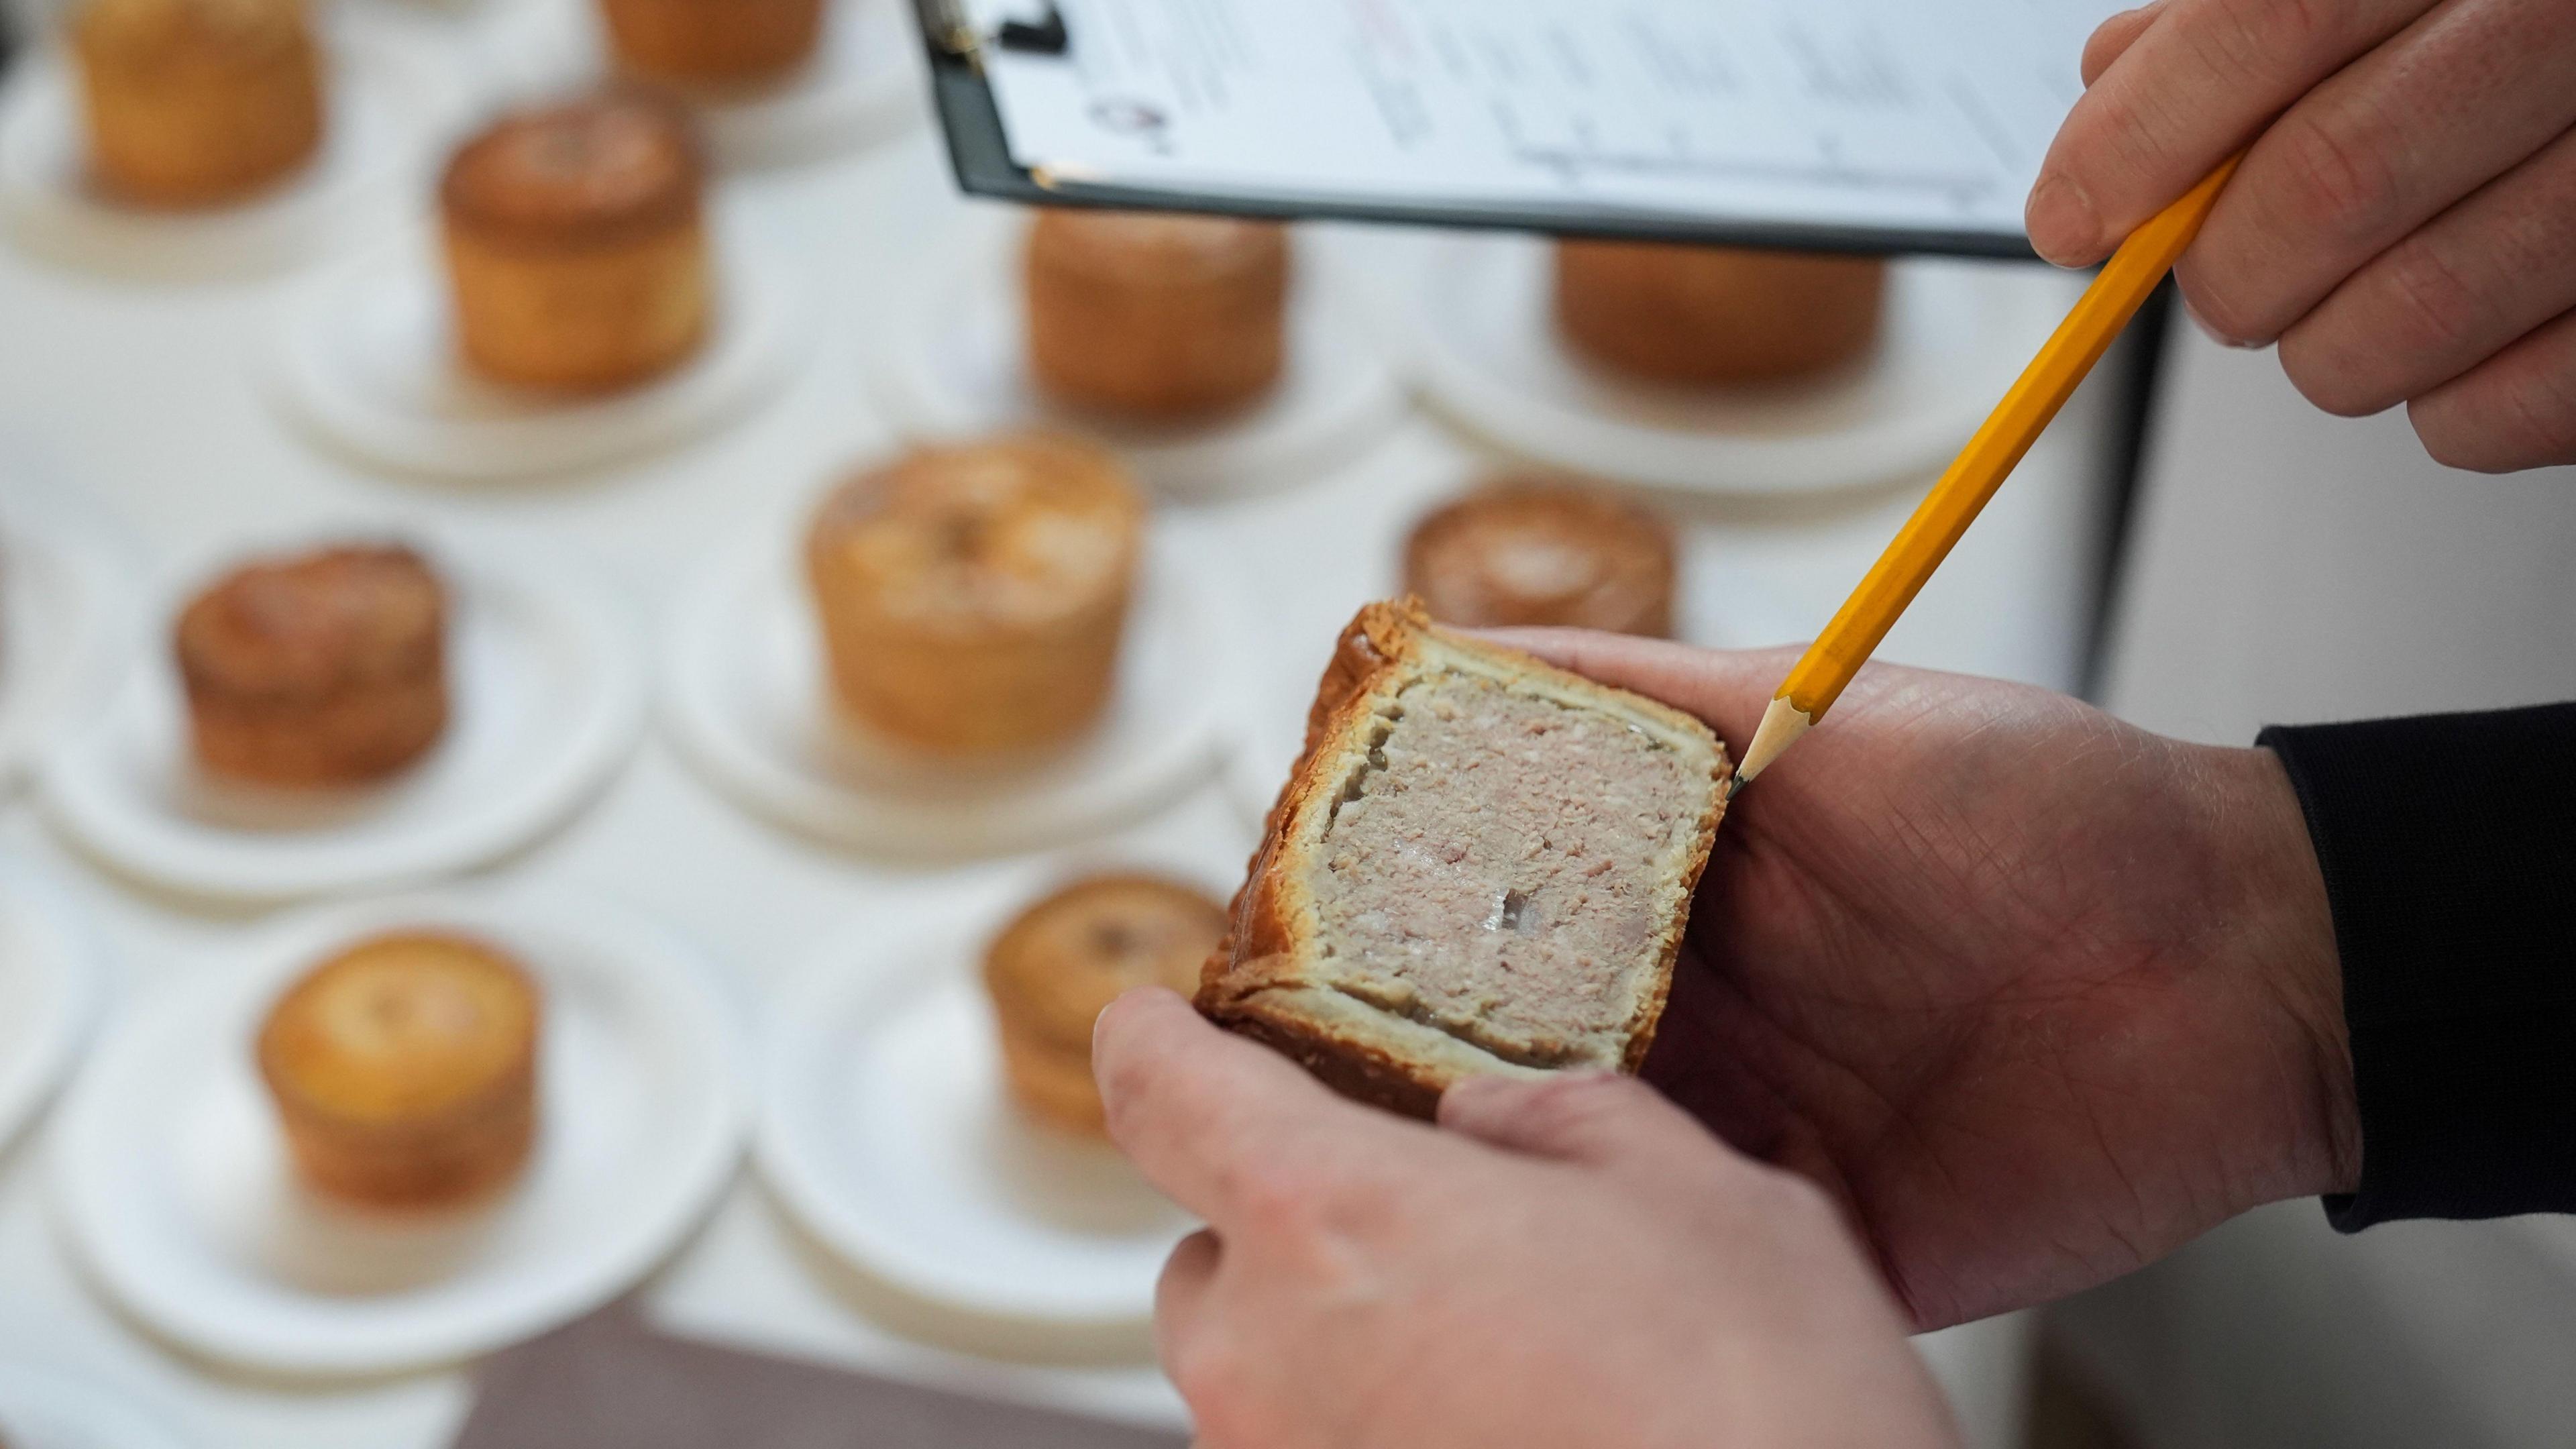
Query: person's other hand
(2038, 994)
(2404, 225)
(1571, 1263)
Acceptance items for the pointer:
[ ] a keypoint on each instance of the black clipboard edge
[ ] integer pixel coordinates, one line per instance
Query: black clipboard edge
(979, 154)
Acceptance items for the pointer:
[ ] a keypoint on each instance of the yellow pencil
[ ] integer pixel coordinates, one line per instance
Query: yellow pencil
(1945, 513)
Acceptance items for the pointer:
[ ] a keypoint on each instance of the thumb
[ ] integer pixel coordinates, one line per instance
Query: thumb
(1596, 1118)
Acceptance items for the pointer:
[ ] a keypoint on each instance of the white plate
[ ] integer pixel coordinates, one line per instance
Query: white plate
(171, 1181)
(41, 1409)
(863, 86)
(368, 362)
(1270, 711)
(49, 992)
(887, 1131)
(388, 101)
(546, 694)
(954, 365)
(1957, 334)
(747, 699)
(67, 620)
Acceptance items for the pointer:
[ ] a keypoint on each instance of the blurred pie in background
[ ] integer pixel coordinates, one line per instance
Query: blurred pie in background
(972, 598)
(712, 42)
(1155, 316)
(404, 1070)
(1698, 316)
(195, 103)
(322, 669)
(1536, 549)
(576, 244)
(1062, 960)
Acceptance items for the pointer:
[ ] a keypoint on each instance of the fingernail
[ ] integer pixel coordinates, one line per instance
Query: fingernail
(2064, 228)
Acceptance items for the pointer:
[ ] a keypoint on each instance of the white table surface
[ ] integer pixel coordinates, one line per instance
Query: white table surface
(146, 404)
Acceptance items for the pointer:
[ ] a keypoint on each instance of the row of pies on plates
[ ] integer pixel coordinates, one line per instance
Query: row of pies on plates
(574, 238)
(403, 1131)
(578, 265)
(971, 602)
(579, 282)
(191, 104)
(403, 1067)
(578, 262)
(573, 231)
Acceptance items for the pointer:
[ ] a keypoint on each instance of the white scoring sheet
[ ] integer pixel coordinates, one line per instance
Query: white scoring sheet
(1886, 117)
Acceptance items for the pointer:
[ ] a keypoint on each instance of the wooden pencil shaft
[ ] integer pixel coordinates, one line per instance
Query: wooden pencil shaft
(2124, 284)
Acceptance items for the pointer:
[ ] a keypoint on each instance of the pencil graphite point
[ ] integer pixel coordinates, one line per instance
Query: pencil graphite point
(1782, 723)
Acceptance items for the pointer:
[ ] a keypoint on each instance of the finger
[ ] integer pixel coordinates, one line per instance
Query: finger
(1727, 688)
(2454, 294)
(1596, 1118)
(1222, 1126)
(2194, 87)
(2515, 410)
(2113, 37)
(1181, 1294)
(2458, 99)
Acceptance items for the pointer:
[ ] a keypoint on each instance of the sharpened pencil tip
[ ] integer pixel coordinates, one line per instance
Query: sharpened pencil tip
(1733, 784)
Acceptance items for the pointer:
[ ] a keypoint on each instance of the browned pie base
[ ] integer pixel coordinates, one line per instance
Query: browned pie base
(1544, 551)
(455, 1162)
(404, 1070)
(359, 735)
(983, 696)
(576, 245)
(1063, 959)
(1706, 315)
(326, 669)
(713, 42)
(580, 319)
(973, 599)
(1054, 1085)
(1155, 316)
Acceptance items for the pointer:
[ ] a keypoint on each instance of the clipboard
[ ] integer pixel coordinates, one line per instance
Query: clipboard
(1861, 126)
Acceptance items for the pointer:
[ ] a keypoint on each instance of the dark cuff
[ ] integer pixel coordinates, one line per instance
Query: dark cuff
(2449, 849)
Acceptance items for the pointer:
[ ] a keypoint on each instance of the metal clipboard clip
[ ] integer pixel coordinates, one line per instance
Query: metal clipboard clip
(953, 30)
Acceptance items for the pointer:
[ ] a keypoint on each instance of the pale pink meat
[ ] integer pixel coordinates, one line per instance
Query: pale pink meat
(1491, 870)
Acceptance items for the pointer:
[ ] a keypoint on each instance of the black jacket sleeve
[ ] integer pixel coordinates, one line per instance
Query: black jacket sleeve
(2449, 849)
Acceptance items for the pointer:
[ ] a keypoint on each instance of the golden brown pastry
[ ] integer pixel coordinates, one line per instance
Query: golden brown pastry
(972, 597)
(577, 246)
(1481, 866)
(324, 669)
(405, 1069)
(713, 42)
(1153, 315)
(1701, 315)
(1537, 550)
(1063, 959)
(196, 102)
